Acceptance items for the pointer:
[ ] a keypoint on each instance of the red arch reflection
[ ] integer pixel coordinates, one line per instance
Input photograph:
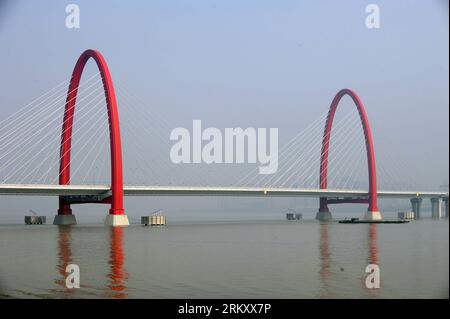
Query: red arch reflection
(373, 257)
(325, 272)
(373, 245)
(64, 257)
(117, 274)
(324, 252)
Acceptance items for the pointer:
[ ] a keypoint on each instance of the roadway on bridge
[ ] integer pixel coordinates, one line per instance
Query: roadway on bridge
(69, 190)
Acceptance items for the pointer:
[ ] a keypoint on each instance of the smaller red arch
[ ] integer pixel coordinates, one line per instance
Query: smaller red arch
(116, 198)
(372, 200)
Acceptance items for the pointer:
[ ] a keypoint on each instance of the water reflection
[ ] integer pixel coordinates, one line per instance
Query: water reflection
(325, 272)
(324, 252)
(373, 245)
(373, 257)
(64, 257)
(118, 275)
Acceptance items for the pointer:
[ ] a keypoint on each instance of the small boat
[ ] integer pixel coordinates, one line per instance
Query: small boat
(365, 221)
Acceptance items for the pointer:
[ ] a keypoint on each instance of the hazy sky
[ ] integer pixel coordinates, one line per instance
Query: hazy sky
(250, 63)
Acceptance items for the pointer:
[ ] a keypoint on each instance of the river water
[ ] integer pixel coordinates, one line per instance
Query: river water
(240, 259)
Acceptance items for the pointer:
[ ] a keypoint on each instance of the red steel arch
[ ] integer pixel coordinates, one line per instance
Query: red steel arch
(116, 198)
(372, 200)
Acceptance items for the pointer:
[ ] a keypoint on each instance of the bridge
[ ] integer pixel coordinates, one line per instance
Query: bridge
(95, 193)
(113, 193)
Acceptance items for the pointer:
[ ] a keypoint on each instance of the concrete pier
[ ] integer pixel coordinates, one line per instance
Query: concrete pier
(324, 216)
(416, 205)
(375, 215)
(445, 200)
(117, 220)
(436, 207)
(65, 220)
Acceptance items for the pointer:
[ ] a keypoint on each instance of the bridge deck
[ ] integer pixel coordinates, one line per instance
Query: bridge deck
(72, 190)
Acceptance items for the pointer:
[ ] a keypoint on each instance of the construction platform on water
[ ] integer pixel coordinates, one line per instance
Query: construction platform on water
(35, 220)
(155, 219)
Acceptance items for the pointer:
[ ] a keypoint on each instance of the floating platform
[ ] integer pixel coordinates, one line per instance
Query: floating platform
(406, 215)
(291, 216)
(153, 220)
(35, 220)
(365, 221)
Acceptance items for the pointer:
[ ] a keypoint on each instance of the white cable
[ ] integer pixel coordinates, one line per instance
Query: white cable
(349, 131)
(27, 122)
(286, 149)
(79, 128)
(145, 127)
(314, 164)
(99, 151)
(342, 128)
(57, 139)
(340, 167)
(296, 161)
(105, 119)
(26, 150)
(34, 101)
(356, 151)
(26, 107)
(103, 131)
(39, 130)
(312, 148)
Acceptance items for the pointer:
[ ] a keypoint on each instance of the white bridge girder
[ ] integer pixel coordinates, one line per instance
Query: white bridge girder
(103, 190)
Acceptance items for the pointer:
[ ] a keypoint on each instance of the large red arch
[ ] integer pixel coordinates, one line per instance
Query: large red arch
(372, 199)
(116, 198)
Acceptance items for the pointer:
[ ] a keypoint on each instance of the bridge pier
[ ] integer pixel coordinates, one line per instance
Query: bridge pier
(436, 207)
(64, 216)
(373, 215)
(117, 220)
(416, 205)
(65, 220)
(445, 200)
(324, 215)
